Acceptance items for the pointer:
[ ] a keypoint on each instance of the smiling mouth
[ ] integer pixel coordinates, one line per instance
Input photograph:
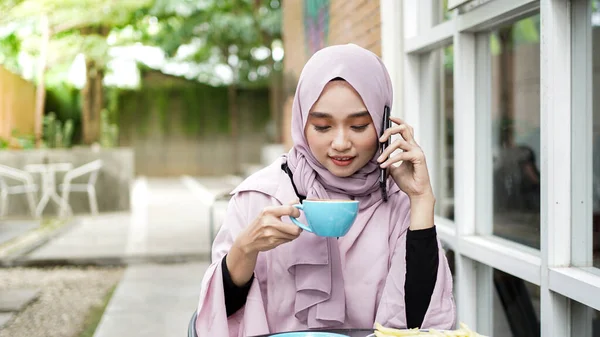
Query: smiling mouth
(342, 160)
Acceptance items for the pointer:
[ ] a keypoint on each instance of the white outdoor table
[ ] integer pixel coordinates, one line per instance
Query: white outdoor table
(48, 175)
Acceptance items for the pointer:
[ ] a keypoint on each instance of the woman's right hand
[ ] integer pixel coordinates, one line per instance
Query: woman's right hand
(267, 231)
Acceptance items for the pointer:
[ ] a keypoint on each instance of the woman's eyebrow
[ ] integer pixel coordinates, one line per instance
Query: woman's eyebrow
(326, 115)
(359, 114)
(319, 114)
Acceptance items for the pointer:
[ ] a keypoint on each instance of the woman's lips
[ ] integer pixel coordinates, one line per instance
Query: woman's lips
(341, 161)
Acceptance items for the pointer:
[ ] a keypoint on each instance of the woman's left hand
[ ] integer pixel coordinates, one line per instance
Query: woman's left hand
(411, 176)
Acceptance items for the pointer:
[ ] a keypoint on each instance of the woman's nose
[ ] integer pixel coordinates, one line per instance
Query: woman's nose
(341, 142)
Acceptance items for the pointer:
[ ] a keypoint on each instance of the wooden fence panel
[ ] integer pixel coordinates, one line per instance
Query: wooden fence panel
(17, 104)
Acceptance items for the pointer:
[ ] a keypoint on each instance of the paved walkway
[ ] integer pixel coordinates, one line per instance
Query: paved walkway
(166, 243)
(168, 219)
(153, 300)
(12, 229)
(168, 223)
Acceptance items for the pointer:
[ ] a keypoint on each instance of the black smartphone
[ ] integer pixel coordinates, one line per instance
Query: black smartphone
(383, 174)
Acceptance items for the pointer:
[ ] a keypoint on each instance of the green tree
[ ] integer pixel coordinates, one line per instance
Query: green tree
(233, 33)
(58, 30)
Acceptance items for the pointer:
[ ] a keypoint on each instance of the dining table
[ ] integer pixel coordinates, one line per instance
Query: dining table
(48, 176)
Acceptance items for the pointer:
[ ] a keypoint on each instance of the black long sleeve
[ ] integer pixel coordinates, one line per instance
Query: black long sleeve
(422, 262)
(235, 297)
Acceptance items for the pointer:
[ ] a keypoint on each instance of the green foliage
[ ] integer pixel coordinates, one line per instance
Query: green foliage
(225, 32)
(68, 133)
(194, 119)
(160, 97)
(449, 58)
(64, 101)
(10, 46)
(95, 313)
(65, 15)
(525, 31)
(196, 109)
(55, 134)
(109, 136)
(24, 141)
(3, 144)
(18, 141)
(228, 32)
(112, 104)
(77, 26)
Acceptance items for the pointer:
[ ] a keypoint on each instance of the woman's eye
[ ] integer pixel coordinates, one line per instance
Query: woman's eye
(321, 128)
(359, 127)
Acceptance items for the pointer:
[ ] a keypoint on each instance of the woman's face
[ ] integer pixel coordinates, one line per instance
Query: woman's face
(339, 131)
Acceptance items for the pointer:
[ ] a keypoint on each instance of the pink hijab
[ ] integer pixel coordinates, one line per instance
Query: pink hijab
(366, 73)
(320, 301)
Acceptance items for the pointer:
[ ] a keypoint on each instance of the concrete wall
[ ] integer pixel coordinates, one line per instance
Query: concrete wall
(17, 104)
(350, 21)
(156, 157)
(184, 129)
(112, 187)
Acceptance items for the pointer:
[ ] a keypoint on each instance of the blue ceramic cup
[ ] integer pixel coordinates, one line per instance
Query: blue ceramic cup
(327, 217)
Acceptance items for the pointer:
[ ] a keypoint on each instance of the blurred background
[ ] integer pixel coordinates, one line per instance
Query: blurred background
(125, 124)
(189, 86)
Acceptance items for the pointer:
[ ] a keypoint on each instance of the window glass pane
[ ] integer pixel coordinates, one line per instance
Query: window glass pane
(452, 264)
(467, 6)
(451, 261)
(596, 130)
(516, 306)
(515, 108)
(445, 142)
(441, 12)
(586, 320)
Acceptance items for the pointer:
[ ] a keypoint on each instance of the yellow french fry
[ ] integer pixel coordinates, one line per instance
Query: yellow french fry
(381, 334)
(396, 332)
(470, 333)
(463, 331)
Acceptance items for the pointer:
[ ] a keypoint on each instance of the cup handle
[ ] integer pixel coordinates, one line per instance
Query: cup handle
(298, 223)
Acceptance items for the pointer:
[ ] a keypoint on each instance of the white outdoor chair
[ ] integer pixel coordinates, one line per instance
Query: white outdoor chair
(92, 168)
(27, 187)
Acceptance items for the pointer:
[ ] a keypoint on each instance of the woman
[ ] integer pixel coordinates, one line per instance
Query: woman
(269, 276)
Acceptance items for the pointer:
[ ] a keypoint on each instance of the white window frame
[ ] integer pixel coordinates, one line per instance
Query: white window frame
(569, 287)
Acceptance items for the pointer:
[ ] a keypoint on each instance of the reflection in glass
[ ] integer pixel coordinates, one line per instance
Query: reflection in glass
(516, 306)
(451, 263)
(515, 108)
(445, 195)
(471, 5)
(443, 14)
(595, 323)
(596, 130)
(585, 319)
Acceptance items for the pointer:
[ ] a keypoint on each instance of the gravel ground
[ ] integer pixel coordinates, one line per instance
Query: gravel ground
(67, 294)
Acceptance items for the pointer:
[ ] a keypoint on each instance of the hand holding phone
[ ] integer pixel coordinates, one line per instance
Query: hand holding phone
(383, 174)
